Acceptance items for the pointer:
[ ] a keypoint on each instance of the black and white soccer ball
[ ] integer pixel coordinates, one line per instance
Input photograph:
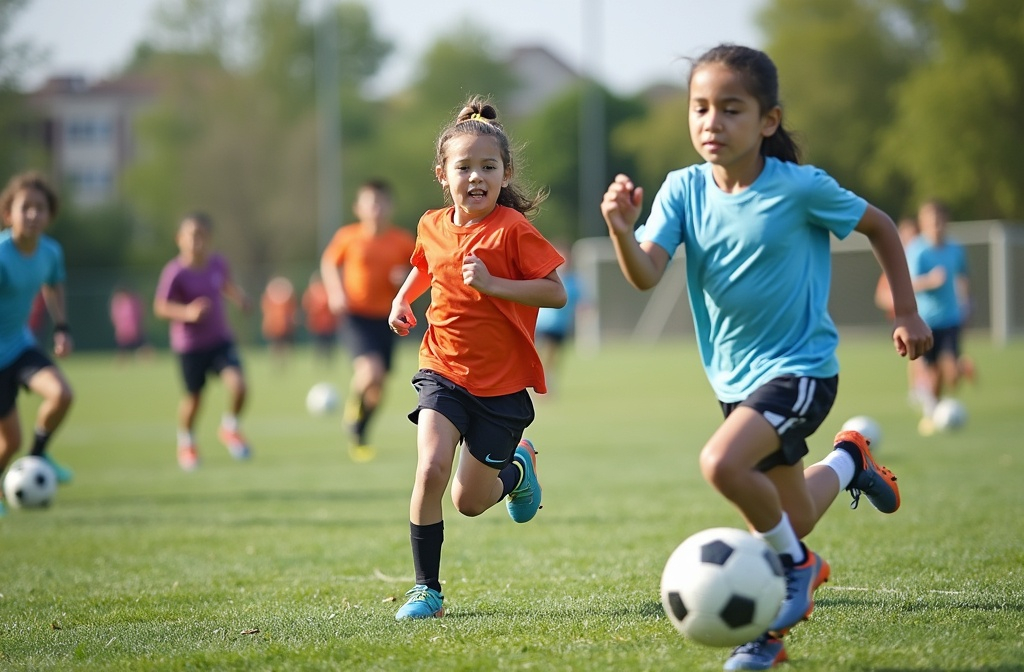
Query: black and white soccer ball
(722, 587)
(30, 483)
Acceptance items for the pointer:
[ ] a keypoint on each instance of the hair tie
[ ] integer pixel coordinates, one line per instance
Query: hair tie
(476, 116)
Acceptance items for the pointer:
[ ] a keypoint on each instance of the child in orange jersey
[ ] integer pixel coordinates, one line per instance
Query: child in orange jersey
(361, 268)
(489, 271)
(321, 323)
(278, 305)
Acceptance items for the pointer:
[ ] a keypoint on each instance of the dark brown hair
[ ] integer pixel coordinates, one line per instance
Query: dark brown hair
(761, 79)
(29, 180)
(479, 117)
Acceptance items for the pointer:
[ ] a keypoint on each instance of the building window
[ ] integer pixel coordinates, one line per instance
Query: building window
(87, 130)
(92, 183)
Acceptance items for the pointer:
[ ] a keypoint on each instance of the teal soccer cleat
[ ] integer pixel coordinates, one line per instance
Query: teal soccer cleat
(423, 603)
(524, 501)
(64, 475)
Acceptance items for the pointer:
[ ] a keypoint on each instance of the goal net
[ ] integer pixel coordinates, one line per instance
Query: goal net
(995, 260)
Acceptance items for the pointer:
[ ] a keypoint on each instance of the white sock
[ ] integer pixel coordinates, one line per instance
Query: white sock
(229, 422)
(842, 463)
(783, 539)
(184, 438)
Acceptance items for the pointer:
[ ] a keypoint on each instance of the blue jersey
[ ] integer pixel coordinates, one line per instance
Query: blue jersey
(758, 269)
(21, 277)
(940, 307)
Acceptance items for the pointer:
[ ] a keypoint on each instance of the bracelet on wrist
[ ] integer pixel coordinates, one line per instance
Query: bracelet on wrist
(61, 328)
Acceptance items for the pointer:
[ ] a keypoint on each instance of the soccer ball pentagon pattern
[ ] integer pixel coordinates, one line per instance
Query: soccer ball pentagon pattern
(30, 483)
(868, 428)
(722, 587)
(322, 399)
(949, 414)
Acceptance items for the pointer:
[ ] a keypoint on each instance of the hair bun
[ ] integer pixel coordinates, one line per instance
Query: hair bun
(477, 109)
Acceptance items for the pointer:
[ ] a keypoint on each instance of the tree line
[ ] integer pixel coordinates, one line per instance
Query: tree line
(900, 100)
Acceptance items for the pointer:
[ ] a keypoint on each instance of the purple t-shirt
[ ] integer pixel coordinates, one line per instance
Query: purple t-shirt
(182, 284)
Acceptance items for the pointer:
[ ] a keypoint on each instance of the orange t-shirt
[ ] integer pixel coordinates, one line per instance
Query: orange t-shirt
(368, 266)
(480, 342)
(278, 316)
(319, 318)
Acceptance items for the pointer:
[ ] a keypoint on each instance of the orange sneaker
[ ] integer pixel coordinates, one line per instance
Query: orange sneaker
(235, 443)
(871, 479)
(188, 458)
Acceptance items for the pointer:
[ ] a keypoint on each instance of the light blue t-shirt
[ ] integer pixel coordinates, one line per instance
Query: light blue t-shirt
(940, 307)
(758, 269)
(560, 321)
(21, 277)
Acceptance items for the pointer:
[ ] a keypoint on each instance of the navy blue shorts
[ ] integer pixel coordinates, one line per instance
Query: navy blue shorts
(369, 336)
(491, 427)
(17, 374)
(795, 406)
(195, 365)
(944, 340)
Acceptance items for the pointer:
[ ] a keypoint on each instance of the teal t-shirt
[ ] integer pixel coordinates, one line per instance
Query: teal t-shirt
(758, 269)
(939, 307)
(21, 277)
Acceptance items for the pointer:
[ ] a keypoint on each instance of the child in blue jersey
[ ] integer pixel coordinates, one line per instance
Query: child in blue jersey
(556, 326)
(30, 262)
(756, 227)
(938, 266)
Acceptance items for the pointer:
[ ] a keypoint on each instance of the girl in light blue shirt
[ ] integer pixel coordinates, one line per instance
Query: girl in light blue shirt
(755, 227)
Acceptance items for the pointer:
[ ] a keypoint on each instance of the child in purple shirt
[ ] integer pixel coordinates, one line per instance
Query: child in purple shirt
(191, 295)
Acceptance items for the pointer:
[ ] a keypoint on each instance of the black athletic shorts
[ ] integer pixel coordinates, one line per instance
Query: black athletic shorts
(491, 427)
(946, 339)
(369, 335)
(17, 374)
(795, 406)
(195, 365)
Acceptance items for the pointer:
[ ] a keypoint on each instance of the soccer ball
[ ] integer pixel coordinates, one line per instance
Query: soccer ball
(722, 587)
(322, 399)
(868, 428)
(30, 483)
(949, 414)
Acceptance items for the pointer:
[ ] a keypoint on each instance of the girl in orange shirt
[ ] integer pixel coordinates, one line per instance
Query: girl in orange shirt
(489, 271)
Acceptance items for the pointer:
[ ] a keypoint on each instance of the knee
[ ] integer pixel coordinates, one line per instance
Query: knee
(433, 476)
(468, 507)
(716, 468)
(64, 397)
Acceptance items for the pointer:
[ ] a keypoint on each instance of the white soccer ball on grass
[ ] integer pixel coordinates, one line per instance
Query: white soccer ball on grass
(30, 483)
(868, 428)
(722, 587)
(322, 399)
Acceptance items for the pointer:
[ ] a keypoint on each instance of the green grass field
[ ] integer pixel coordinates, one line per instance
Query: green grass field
(299, 559)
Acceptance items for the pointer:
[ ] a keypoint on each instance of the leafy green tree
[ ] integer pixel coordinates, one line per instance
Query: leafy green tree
(660, 141)
(956, 131)
(21, 135)
(552, 140)
(840, 65)
(235, 130)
